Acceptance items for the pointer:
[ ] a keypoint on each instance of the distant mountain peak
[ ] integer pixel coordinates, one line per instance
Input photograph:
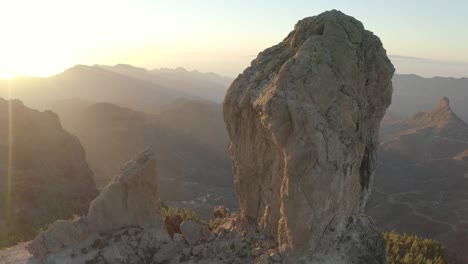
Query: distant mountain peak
(440, 115)
(443, 111)
(124, 65)
(444, 103)
(77, 67)
(440, 121)
(127, 67)
(81, 69)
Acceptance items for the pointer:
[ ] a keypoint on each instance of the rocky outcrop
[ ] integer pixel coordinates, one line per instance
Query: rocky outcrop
(303, 125)
(238, 241)
(44, 175)
(129, 200)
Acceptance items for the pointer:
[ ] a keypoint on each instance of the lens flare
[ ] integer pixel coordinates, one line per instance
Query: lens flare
(10, 153)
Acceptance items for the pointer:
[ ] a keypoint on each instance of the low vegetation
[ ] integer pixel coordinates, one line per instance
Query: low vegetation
(186, 214)
(409, 249)
(12, 234)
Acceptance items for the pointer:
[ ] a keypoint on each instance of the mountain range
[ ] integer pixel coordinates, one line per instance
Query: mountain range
(152, 90)
(128, 86)
(194, 84)
(413, 94)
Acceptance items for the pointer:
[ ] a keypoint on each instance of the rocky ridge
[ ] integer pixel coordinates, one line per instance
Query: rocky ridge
(303, 124)
(124, 225)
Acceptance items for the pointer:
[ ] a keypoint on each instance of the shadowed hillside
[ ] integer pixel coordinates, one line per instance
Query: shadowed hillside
(188, 138)
(44, 175)
(421, 185)
(207, 86)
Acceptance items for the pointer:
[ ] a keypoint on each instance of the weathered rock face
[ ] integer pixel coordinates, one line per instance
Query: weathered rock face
(241, 243)
(303, 125)
(129, 200)
(44, 175)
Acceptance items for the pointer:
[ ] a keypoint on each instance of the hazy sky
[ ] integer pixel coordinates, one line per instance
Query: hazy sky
(43, 37)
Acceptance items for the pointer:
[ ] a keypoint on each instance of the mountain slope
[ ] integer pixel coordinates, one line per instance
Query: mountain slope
(199, 120)
(205, 86)
(91, 84)
(99, 85)
(188, 138)
(421, 184)
(125, 85)
(44, 175)
(438, 133)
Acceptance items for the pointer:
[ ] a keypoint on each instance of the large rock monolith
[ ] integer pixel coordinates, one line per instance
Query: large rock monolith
(303, 124)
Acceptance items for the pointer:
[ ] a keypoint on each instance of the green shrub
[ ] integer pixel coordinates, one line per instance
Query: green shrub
(408, 249)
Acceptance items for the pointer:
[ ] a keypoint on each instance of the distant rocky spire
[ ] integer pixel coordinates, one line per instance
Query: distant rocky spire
(444, 102)
(440, 116)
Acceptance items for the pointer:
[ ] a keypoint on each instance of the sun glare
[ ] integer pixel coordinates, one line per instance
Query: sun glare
(6, 75)
(10, 155)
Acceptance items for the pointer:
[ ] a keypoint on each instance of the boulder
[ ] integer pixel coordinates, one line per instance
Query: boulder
(196, 250)
(130, 199)
(62, 234)
(172, 223)
(303, 124)
(192, 231)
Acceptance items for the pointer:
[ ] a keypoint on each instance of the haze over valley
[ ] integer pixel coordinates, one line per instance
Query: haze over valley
(422, 172)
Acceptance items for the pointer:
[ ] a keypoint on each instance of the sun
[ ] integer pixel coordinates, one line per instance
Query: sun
(6, 75)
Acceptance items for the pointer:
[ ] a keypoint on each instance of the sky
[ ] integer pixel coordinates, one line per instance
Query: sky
(41, 38)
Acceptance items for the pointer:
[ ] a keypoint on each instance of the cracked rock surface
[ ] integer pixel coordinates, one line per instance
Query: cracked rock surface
(303, 125)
